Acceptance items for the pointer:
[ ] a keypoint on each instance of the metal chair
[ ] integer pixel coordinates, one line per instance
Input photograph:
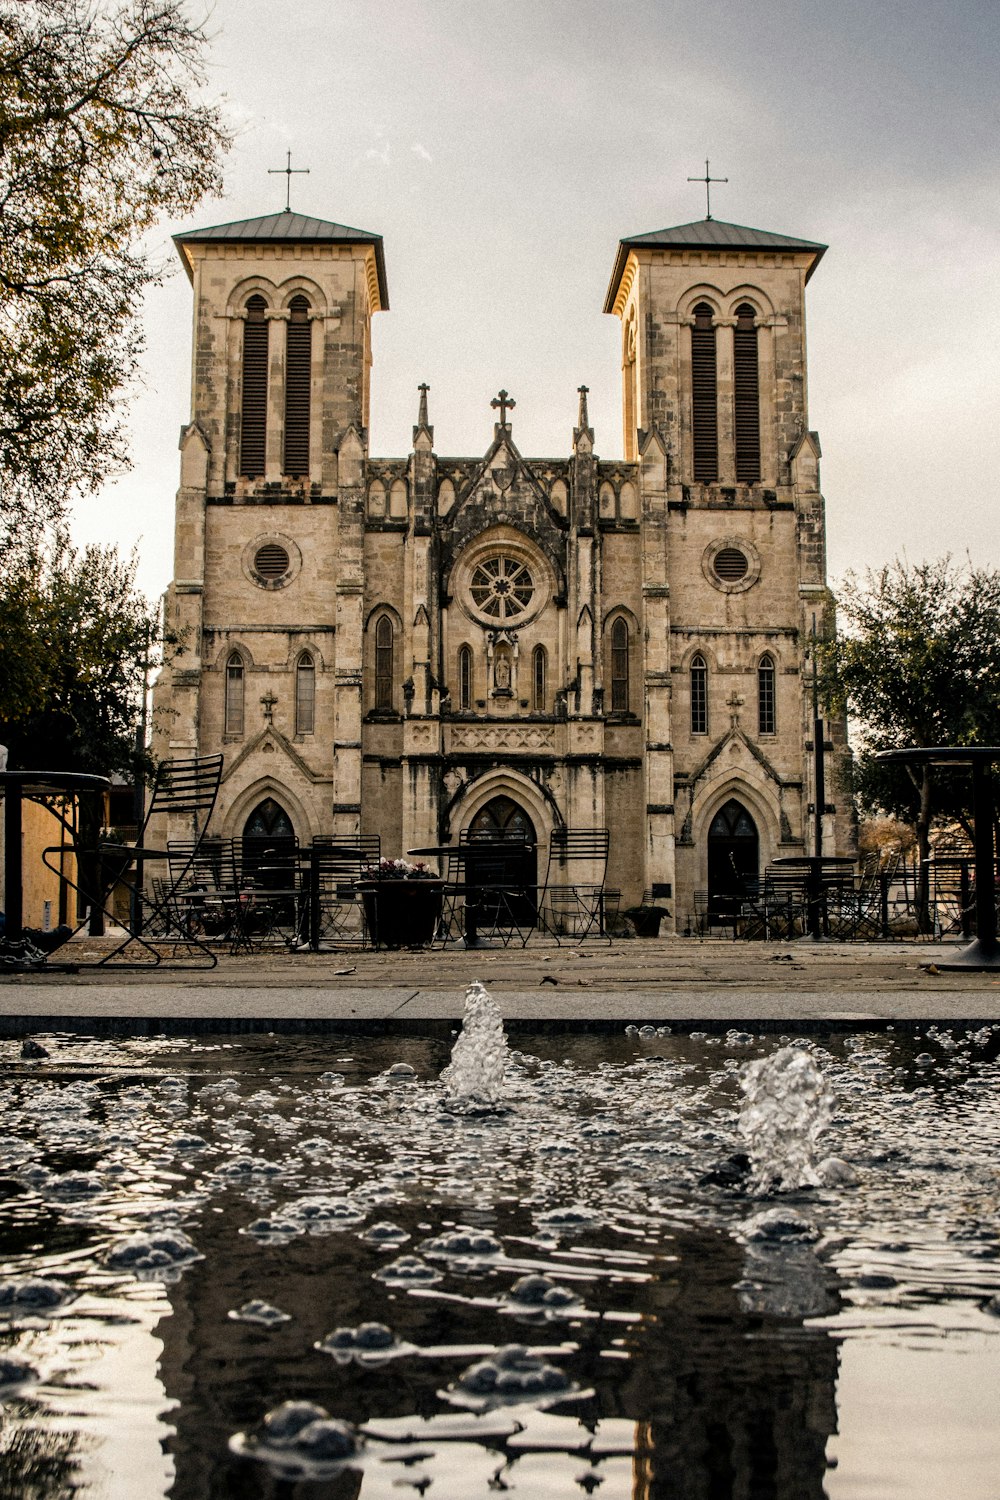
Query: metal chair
(272, 891)
(204, 899)
(182, 790)
(336, 914)
(571, 905)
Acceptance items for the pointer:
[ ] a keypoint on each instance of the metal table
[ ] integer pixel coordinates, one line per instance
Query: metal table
(36, 786)
(984, 952)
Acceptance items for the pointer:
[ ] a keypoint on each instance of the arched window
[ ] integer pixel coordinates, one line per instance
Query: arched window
(704, 397)
(383, 663)
(619, 667)
(746, 395)
(305, 695)
(253, 414)
(766, 709)
(465, 677)
(298, 375)
(699, 695)
(234, 694)
(538, 665)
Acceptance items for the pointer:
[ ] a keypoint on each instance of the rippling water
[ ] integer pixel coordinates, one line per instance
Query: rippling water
(583, 1289)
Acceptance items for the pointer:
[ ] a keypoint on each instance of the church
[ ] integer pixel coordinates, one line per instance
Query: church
(426, 646)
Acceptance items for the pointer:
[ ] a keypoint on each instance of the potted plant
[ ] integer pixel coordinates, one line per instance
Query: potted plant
(646, 919)
(402, 903)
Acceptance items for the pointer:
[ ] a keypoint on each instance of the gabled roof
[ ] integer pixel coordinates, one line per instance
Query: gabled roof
(286, 228)
(707, 234)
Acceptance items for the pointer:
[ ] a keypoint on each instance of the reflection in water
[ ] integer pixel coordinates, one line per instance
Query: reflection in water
(680, 1335)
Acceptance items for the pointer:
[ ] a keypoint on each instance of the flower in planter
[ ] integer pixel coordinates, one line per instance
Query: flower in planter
(397, 869)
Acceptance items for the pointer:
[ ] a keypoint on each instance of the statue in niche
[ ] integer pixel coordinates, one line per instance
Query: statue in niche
(501, 673)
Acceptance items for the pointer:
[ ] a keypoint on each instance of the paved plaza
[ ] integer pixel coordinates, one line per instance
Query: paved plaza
(673, 981)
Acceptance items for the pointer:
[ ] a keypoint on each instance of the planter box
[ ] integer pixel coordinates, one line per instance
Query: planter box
(402, 913)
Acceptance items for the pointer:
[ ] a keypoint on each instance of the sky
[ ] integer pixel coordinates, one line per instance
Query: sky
(502, 151)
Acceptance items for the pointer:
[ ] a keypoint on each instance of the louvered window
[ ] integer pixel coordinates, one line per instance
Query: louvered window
(730, 565)
(746, 392)
(766, 711)
(298, 376)
(704, 397)
(305, 695)
(234, 694)
(253, 416)
(538, 679)
(699, 695)
(271, 562)
(619, 667)
(465, 677)
(383, 663)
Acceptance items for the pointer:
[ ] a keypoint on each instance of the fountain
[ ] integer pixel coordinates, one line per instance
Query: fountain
(644, 1265)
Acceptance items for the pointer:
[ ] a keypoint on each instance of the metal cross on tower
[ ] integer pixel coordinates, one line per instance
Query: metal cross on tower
(707, 180)
(503, 401)
(288, 172)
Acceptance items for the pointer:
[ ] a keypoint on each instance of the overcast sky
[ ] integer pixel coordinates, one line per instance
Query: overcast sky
(503, 149)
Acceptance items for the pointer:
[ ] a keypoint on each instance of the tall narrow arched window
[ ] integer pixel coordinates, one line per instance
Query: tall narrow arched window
(298, 378)
(465, 677)
(746, 395)
(699, 695)
(704, 397)
(253, 413)
(538, 684)
(383, 663)
(305, 695)
(619, 667)
(234, 694)
(767, 720)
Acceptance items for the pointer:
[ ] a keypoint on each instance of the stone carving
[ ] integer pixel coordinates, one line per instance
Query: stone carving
(502, 737)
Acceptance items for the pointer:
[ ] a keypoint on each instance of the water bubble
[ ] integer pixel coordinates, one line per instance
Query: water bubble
(385, 1234)
(509, 1377)
(463, 1243)
(33, 1294)
(408, 1270)
(300, 1438)
(163, 1251)
(260, 1312)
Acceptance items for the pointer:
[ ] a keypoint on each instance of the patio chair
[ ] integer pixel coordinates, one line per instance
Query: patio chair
(336, 913)
(272, 891)
(182, 789)
(571, 906)
(485, 895)
(204, 898)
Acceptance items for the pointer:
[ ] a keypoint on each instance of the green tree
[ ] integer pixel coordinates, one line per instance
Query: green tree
(917, 662)
(76, 637)
(102, 132)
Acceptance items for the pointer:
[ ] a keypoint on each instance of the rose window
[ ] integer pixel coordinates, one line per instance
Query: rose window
(501, 588)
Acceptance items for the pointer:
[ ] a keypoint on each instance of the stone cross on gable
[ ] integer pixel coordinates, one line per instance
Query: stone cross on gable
(503, 401)
(268, 704)
(288, 172)
(734, 703)
(707, 180)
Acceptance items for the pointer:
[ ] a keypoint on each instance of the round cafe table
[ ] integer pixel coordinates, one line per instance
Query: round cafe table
(984, 952)
(35, 786)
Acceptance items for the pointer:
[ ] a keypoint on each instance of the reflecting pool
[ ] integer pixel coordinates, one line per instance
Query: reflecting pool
(315, 1268)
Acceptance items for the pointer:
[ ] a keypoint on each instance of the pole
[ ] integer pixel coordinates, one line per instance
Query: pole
(982, 811)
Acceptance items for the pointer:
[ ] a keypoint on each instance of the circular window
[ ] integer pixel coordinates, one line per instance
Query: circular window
(731, 565)
(501, 587)
(271, 561)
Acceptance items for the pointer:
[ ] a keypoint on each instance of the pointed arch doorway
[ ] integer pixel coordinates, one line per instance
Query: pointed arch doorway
(502, 819)
(733, 857)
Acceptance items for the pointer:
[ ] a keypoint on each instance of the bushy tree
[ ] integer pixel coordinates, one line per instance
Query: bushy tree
(75, 638)
(917, 663)
(101, 132)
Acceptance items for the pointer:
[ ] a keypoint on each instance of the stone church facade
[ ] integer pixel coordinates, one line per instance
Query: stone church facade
(425, 645)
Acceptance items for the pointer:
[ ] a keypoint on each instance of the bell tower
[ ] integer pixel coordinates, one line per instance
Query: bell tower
(282, 346)
(713, 349)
